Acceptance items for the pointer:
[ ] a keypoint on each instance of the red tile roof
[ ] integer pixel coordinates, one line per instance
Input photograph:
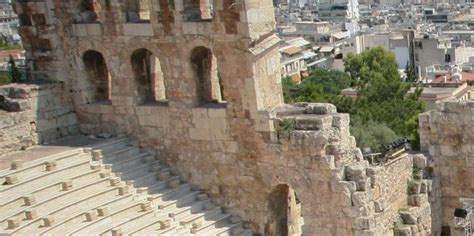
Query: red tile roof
(5, 54)
(465, 77)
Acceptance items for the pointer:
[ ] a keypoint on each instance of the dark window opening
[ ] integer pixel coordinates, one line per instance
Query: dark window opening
(136, 11)
(198, 10)
(88, 11)
(447, 58)
(149, 77)
(98, 77)
(204, 64)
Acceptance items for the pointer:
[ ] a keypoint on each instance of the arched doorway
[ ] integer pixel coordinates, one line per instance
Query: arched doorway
(285, 207)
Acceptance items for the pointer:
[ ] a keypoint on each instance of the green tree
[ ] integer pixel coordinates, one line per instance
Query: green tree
(14, 73)
(372, 134)
(383, 102)
(384, 96)
(410, 72)
(321, 86)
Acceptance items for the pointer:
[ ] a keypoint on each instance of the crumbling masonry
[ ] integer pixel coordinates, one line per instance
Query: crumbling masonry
(198, 83)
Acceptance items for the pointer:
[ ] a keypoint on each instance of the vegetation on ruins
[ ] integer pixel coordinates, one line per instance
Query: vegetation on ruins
(13, 71)
(4, 79)
(383, 110)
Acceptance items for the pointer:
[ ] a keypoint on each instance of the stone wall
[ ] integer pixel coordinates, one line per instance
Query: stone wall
(447, 135)
(33, 114)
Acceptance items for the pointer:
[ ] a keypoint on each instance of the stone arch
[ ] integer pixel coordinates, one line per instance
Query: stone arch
(198, 10)
(99, 79)
(205, 71)
(285, 212)
(89, 11)
(148, 76)
(136, 11)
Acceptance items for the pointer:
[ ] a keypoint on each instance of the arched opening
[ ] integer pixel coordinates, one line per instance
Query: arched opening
(285, 210)
(148, 76)
(88, 11)
(98, 77)
(136, 11)
(204, 64)
(198, 10)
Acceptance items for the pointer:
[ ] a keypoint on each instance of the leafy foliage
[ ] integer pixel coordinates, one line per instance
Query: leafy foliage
(321, 86)
(14, 73)
(372, 134)
(383, 112)
(4, 79)
(410, 72)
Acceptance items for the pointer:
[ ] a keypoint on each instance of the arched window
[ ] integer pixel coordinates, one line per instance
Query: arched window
(148, 76)
(98, 77)
(286, 212)
(204, 65)
(88, 11)
(198, 10)
(137, 11)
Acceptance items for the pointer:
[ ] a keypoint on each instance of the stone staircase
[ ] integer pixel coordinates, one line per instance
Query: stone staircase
(113, 188)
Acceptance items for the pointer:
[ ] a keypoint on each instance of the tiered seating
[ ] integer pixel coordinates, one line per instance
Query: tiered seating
(109, 189)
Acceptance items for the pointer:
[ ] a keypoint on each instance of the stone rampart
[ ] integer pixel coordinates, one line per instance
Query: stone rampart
(447, 134)
(32, 114)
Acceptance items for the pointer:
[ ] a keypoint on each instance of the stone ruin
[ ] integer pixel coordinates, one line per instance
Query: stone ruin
(197, 83)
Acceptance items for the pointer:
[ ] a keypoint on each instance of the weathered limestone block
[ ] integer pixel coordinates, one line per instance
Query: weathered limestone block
(163, 176)
(103, 211)
(17, 164)
(408, 218)
(174, 183)
(91, 215)
(117, 232)
(313, 122)
(13, 223)
(29, 200)
(115, 181)
(97, 154)
(105, 174)
(420, 161)
(402, 231)
(11, 179)
(360, 199)
(146, 206)
(202, 197)
(415, 200)
(164, 224)
(363, 184)
(48, 221)
(50, 165)
(124, 190)
(358, 232)
(379, 206)
(355, 172)
(318, 108)
(31, 214)
(365, 223)
(66, 185)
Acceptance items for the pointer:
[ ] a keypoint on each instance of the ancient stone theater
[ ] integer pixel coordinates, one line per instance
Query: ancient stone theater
(171, 121)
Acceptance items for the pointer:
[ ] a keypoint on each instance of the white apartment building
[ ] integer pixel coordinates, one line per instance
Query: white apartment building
(345, 12)
(9, 22)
